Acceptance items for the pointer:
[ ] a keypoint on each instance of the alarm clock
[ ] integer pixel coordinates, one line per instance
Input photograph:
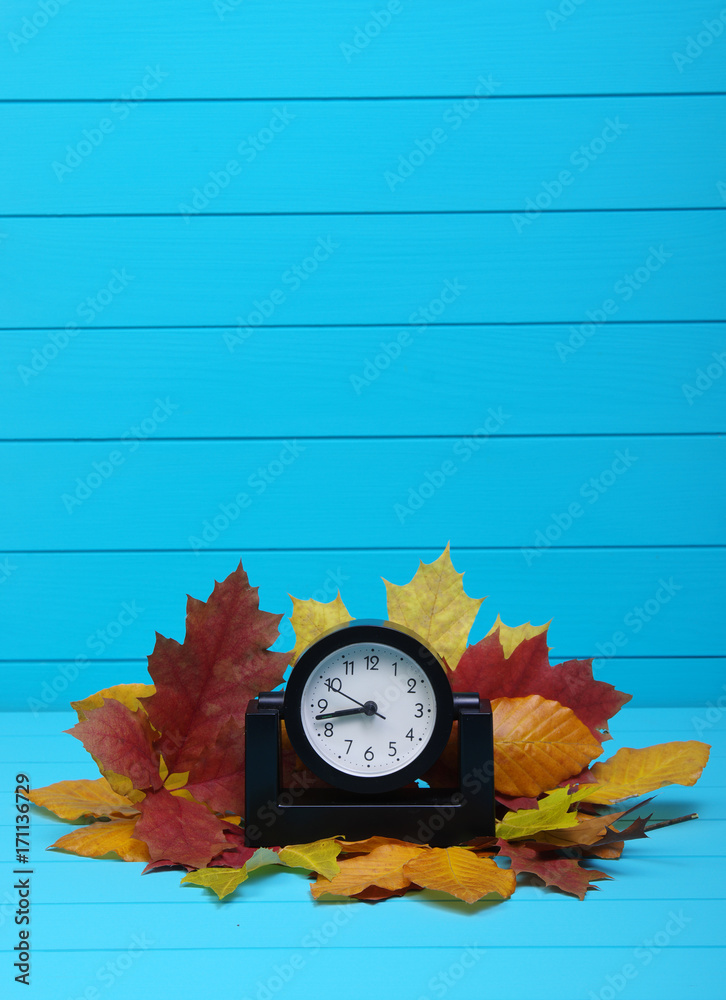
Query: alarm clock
(368, 709)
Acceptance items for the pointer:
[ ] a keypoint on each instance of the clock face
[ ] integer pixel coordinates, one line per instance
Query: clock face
(368, 709)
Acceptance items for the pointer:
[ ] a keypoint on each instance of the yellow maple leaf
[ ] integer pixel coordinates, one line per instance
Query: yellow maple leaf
(316, 857)
(98, 839)
(74, 799)
(461, 873)
(127, 694)
(382, 867)
(552, 814)
(537, 744)
(510, 637)
(587, 830)
(219, 880)
(434, 605)
(635, 772)
(310, 619)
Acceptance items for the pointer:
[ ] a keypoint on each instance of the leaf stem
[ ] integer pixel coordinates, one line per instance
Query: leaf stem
(669, 822)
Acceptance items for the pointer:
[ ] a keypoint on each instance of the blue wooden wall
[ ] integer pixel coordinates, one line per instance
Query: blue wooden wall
(271, 271)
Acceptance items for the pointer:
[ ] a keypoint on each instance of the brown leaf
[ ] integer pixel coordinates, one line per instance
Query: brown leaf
(634, 772)
(120, 740)
(382, 867)
(98, 839)
(203, 687)
(374, 893)
(498, 669)
(74, 799)
(563, 873)
(537, 743)
(460, 873)
(179, 830)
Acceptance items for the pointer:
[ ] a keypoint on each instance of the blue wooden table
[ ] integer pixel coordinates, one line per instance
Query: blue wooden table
(380, 240)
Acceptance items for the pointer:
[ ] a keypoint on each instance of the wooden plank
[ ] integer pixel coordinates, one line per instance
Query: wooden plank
(589, 593)
(347, 381)
(48, 686)
(497, 491)
(305, 156)
(321, 968)
(336, 48)
(370, 269)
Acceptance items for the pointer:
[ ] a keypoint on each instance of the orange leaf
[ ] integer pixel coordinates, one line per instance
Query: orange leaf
(460, 873)
(370, 844)
(634, 772)
(382, 867)
(103, 838)
(537, 744)
(74, 799)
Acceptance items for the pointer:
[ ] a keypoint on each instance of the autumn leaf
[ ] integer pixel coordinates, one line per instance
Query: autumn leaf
(433, 605)
(511, 637)
(369, 844)
(460, 873)
(537, 743)
(317, 857)
(179, 830)
(310, 619)
(382, 867)
(588, 829)
(563, 873)
(223, 881)
(120, 741)
(552, 814)
(98, 839)
(75, 799)
(203, 686)
(127, 694)
(509, 664)
(635, 772)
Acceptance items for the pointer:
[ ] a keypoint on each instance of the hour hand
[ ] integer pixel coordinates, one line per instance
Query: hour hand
(342, 711)
(370, 708)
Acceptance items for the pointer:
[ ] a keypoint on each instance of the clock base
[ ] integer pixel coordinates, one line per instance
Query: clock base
(276, 816)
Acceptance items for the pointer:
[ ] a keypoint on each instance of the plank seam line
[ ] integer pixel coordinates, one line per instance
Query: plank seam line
(392, 97)
(359, 213)
(378, 548)
(373, 326)
(366, 437)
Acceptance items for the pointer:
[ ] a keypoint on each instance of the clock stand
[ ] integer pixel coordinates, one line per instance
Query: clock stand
(438, 816)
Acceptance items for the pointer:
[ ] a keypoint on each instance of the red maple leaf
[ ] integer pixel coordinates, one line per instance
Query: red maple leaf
(122, 741)
(178, 830)
(203, 686)
(484, 668)
(563, 873)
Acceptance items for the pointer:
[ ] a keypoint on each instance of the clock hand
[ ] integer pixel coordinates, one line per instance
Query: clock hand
(375, 707)
(342, 711)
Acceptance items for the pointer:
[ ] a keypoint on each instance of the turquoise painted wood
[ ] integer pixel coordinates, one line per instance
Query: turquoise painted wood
(392, 156)
(98, 920)
(290, 493)
(429, 48)
(588, 592)
(367, 269)
(397, 314)
(353, 382)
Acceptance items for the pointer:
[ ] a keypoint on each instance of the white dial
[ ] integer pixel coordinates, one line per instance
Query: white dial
(368, 709)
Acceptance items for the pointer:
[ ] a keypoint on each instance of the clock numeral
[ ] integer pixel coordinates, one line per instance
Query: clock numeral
(411, 686)
(392, 749)
(395, 667)
(351, 664)
(333, 684)
(322, 704)
(350, 744)
(419, 714)
(369, 755)
(371, 662)
(409, 734)
(328, 731)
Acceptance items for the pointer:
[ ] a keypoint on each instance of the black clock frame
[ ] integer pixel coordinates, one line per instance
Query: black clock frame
(275, 815)
(383, 634)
